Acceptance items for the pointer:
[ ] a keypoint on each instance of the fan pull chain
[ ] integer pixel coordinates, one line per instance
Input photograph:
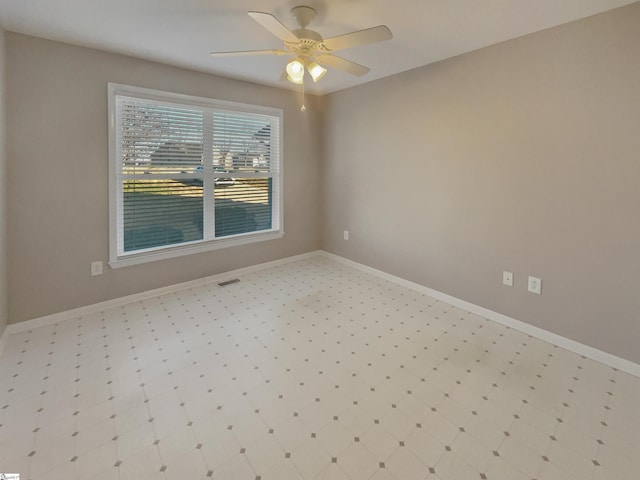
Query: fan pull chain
(303, 108)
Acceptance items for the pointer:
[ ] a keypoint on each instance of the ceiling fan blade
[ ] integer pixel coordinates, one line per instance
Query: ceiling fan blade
(343, 64)
(274, 25)
(249, 52)
(361, 37)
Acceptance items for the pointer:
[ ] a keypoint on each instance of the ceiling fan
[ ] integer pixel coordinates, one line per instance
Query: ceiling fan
(309, 51)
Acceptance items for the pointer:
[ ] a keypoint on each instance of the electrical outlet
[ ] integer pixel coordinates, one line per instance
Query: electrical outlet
(96, 268)
(535, 285)
(507, 279)
(346, 234)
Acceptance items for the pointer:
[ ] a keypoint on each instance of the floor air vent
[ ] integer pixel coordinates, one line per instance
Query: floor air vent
(228, 282)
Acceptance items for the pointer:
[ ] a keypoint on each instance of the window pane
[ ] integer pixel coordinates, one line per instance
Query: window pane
(161, 212)
(241, 143)
(242, 205)
(160, 139)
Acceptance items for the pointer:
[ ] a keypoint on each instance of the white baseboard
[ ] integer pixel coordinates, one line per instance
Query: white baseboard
(605, 358)
(136, 297)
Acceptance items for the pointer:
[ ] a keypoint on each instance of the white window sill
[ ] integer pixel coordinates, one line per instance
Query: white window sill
(164, 253)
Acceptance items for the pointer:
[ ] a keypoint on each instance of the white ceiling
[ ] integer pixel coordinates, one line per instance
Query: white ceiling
(183, 32)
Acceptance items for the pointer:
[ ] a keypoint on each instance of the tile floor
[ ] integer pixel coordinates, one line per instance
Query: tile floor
(310, 370)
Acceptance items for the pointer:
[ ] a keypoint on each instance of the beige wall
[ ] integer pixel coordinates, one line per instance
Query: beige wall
(58, 187)
(3, 189)
(523, 156)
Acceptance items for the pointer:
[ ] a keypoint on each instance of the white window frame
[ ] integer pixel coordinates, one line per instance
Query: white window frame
(122, 259)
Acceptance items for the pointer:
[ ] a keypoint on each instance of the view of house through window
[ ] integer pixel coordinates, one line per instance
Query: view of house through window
(191, 172)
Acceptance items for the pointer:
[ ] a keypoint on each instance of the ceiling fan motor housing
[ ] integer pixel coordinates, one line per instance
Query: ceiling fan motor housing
(310, 41)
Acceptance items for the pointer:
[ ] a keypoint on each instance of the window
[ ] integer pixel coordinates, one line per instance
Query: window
(189, 174)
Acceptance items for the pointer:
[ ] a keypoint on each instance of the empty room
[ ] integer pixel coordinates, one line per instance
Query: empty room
(319, 240)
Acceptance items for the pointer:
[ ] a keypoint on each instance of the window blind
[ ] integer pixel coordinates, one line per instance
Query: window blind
(189, 173)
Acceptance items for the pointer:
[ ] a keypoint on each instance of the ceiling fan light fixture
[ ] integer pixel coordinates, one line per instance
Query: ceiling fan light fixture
(295, 71)
(296, 80)
(316, 71)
